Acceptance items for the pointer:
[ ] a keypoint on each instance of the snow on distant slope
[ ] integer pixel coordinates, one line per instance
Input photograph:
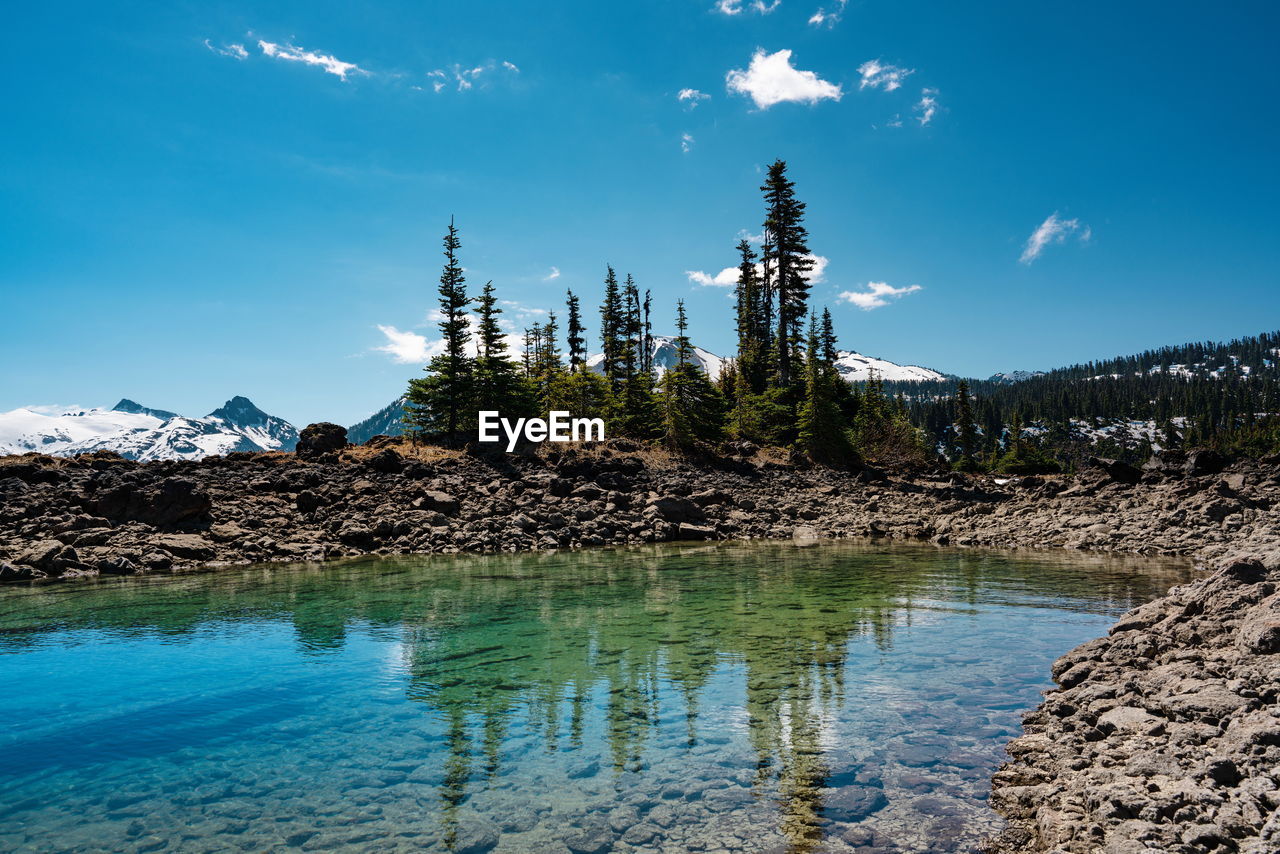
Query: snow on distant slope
(665, 358)
(1015, 376)
(138, 433)
(49, 429)
(855, 367)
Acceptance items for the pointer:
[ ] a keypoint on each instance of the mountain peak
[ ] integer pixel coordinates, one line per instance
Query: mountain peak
(239, 410)
(127, 405)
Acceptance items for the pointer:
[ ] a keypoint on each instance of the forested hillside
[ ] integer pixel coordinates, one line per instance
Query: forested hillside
(1225, 395)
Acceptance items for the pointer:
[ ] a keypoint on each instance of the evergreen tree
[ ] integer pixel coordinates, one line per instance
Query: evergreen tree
(966, 430)
(751, 344)
(548, 364)
(692, 407)
(441, 403)
(821, 429)
(576, 340)
(498, 384)
(611, 324)
(647, 358)
(631, 330)
(787, 254)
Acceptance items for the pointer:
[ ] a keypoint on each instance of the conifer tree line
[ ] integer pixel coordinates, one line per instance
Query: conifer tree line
(1220, 395)
(782, 388)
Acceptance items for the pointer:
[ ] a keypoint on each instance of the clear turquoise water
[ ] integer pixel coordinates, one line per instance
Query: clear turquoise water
(742, 697)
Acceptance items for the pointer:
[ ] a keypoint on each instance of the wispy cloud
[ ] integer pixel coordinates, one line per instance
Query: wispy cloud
(234, 50)
(686, 142)
(293, 53)
(828, 16)
(772, 79)
(468, 78)
(736, 7)
(1053, 230)
(691, 97)
(876, 75)
(552, 276)
(876, 295)
(927, 107)
(728, 277)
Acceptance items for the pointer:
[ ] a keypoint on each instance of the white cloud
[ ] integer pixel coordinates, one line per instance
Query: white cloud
(876, 295)
(1053, 230)
(235, 51)
(927, 106)
(828, 18)
(735, 7)
(292, 53)
(408, 348)
(553, 275)
(771, 79)
(819, 271)
(686, 142)
(467, 78)
(728, 277)
(691, 97)
(878, 76)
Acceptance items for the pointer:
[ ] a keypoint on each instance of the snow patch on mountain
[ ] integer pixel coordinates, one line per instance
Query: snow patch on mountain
(855, 367)
(139, 433)
(1015, 376)
(665, 357)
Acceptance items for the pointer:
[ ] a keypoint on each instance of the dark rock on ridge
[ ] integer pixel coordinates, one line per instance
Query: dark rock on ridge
(321, 438)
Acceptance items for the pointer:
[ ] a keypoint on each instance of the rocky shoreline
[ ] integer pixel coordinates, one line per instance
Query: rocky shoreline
(1164, 736)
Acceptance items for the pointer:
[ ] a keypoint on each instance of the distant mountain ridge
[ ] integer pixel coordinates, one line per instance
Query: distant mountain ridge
(137, 432)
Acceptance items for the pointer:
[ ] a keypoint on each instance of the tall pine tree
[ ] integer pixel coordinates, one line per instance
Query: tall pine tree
(692, 407)
(787, 257)
(965, 429)
(498, 384)
(821, 429)
(576, 339)
(440, 404)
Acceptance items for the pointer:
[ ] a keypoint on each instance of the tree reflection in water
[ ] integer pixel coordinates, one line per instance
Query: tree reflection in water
(600, 644)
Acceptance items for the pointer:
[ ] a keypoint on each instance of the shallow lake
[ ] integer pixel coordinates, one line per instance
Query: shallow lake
(745, 697)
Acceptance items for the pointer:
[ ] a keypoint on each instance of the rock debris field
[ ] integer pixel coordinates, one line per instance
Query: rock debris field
(1162, 737)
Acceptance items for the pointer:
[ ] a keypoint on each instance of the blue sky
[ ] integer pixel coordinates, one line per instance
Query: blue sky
(208, 199)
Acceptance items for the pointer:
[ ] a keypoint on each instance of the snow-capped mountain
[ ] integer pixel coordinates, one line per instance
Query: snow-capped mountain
(1015, 376)
(855, 367)
(139, 433)
(665, 358)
